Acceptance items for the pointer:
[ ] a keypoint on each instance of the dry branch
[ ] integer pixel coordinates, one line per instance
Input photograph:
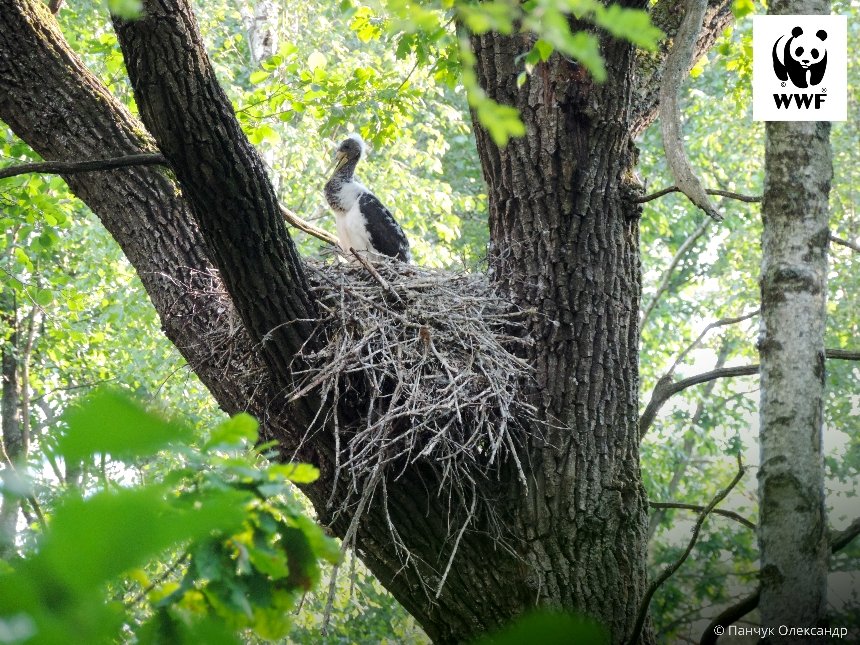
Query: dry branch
(143, 159)
(677, 64)
(672, 568)
(750, 199)
(849, 245)
(73, 167)
(667, 274)
(435, 359)
(666, 388)
(698, 507)
(735, 612)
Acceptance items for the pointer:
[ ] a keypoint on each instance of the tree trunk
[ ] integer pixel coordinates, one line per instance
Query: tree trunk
(11, 439)
(564, 235)
(792, 528)
(565, 240)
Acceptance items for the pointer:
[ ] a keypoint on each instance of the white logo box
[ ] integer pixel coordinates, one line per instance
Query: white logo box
(800, 68)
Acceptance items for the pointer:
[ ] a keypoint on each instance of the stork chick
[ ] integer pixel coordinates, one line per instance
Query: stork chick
(363, 223)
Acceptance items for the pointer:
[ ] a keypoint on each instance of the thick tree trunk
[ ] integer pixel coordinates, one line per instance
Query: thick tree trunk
(793, 540)
(565, 240)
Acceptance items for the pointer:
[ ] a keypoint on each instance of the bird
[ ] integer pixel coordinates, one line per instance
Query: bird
(364, 224)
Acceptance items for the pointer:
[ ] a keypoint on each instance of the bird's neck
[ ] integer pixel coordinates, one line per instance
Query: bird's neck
(338, 197)
(346, 172)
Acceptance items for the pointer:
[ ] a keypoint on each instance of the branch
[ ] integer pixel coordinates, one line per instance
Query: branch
(851, 245)
(734, 613)
(722, 322)
(697, 507)
(72, 167)
(677, 66)
(667, 274)
(143, 159)
(843, 538)
(665, 388)
(307, 227)
(689, 442)
(672, 568)
(651, 66)
(751, 199)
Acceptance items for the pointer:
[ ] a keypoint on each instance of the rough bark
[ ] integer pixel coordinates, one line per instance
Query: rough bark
(565, 239)
(792, 529)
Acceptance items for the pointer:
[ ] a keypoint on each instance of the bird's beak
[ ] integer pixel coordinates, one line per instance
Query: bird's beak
(339, 161)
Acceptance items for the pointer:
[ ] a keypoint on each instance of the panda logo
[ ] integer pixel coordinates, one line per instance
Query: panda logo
(803, 58)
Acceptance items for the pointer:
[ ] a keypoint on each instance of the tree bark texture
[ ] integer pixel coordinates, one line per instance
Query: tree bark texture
(793, 539)
(564, 240)
(792, 528)
(11, 439)
(564, 233)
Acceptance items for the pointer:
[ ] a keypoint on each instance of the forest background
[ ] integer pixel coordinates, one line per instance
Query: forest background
(75, 316)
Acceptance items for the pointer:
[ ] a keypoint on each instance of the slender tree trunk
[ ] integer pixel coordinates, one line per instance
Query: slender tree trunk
(792, 529)
(12, 439)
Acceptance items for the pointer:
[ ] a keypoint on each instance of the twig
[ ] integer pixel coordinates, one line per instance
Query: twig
(672, 568)
(158, 580)
(667, 274)
(722, 322)
(697, 507)
(382, 281)
(142, 159)
(73, 167)
(665, 388)
(735, 612)
(851, 245)
(678, 63)
(750, 199)
(307, 227)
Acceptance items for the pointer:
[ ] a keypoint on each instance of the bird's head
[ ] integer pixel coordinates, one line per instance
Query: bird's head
(350, 149)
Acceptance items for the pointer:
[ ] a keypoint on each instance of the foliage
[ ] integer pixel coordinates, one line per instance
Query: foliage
(548, 628)
(392, 71)
(249, 552)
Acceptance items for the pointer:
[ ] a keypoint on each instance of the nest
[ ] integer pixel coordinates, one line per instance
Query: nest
(433, 358)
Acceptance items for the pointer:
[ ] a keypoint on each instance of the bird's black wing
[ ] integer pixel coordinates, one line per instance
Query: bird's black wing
(386, 236)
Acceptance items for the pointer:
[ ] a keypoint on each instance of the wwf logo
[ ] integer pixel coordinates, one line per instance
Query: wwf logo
(801, 58)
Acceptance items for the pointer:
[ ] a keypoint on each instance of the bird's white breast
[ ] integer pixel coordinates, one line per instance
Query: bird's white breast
(352, 229)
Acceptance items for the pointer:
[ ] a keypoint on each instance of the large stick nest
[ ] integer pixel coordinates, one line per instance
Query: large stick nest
(416, 364)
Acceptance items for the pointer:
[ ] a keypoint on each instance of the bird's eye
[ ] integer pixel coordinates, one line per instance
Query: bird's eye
(798, 51)
(814, 53)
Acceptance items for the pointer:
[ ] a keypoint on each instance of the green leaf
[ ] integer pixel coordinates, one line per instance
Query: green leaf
(317, 60)
(543, 48)
(110, 422)
(633, 25)
(126, 9)
(296, 473)
(112, 532)
(236, 431)
(741, 8)
(259, 76)
(548, 628)
(43, 297)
